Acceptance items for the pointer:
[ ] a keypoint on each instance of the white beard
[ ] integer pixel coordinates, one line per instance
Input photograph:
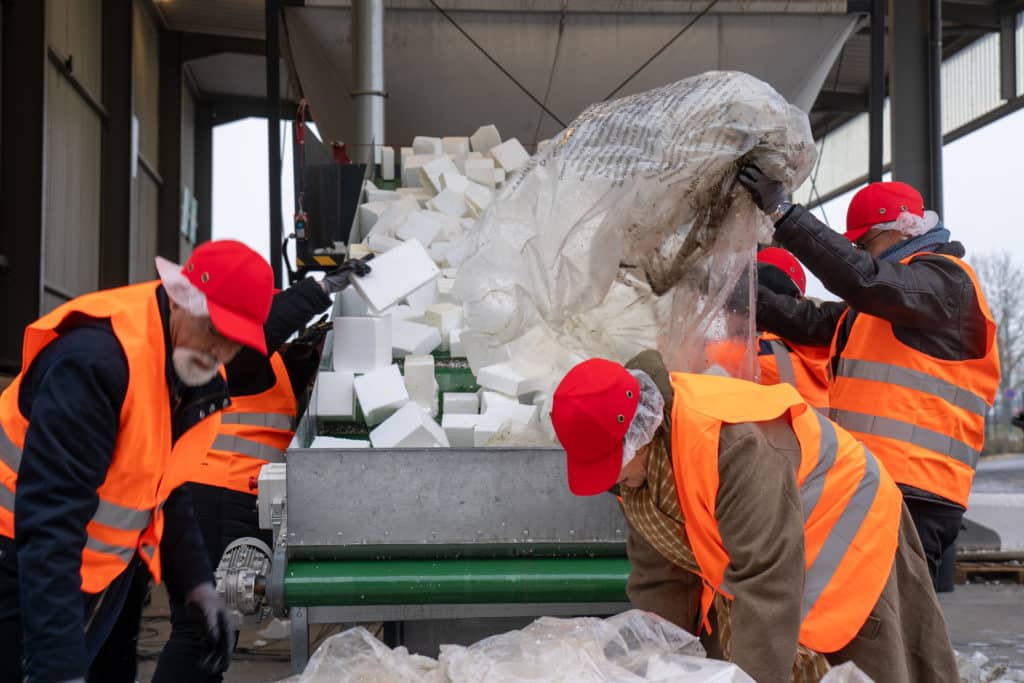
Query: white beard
(194, 368)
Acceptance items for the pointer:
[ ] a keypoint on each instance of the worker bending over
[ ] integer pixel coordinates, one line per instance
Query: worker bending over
(267, 397)
(117, 402)
(913, 348)
(803, 366)
(789, 519)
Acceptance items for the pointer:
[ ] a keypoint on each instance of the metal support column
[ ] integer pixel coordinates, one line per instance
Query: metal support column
(368, 61)
(876, 99)
(274, 136)
(168, 240)
(915, 91)
(204, 171)
(21, 173)
(1008, 55)
(116, 183)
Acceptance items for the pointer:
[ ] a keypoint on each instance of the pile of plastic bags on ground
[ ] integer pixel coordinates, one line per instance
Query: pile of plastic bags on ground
(631, 647)
(976, 669)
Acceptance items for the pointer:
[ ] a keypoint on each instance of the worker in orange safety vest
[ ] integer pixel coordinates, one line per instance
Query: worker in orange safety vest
(791, 520)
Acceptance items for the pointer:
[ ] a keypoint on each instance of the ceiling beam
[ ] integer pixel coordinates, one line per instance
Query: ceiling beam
(199, 45)
(970, 15)
(832, 101)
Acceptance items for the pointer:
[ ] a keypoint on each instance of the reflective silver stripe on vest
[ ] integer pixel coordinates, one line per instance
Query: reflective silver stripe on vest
(783, 361)
(271, 420)
(9, 453)
(119, 551)
(913, 379)
(255, 449)
(842, 534)
(6, 499)
(121, 517)
(814, 483)
(907, 432)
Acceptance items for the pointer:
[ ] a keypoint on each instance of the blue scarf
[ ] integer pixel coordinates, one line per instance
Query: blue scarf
(926, 242)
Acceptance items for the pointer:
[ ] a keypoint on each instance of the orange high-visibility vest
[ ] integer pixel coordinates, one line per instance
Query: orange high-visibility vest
(803, 367)
(851, 507)
(144, 469)
(923, 417)
(254, 430)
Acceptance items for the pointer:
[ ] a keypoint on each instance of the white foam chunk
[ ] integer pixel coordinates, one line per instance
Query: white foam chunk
(422, 144)
(445, 317)
(512, 412)
(387, 163)
(350, 304)
(419, 380)
(411, 169)
(461, 403)
(485, 138)
(455, 145)
(379, 244)
(423, 297)
(510, 155)
(450, 203)
(420, 195)
(454, 181)
(460, 429)
(381, 393)
(335, 397)
(416, 339)
(499, 176)
(383, 196)
(542, 144)
(490, 399)
(368, 185)
(431, 172)
(419, 225)
(405, 153)
(445, 286)
(404, 312)
(478, 196)
(337, 442)
(514, 378)
(369, 213)
(481, 171)
(396, 274)
(409, 427)
(438, 251)
(455, 347)
(361, 344)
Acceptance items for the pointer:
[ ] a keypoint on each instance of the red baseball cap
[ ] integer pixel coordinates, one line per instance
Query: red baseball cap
(591, 412)
(880, 203)
(231, 282)
(787, 263)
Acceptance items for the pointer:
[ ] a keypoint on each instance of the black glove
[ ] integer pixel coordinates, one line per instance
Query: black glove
(339, 278)
(313, 336)
(767, 193)
(207, 606)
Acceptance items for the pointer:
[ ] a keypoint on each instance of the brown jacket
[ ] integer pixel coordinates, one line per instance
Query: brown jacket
(761, 523)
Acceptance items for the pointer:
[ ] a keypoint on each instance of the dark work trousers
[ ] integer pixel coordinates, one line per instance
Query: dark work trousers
(223, 516)
(937, 525)
(101, 612)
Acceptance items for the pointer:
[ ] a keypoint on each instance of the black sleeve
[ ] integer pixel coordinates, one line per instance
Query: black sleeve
(924, 294)
(801, 321)
(183, 556)
(72, 396)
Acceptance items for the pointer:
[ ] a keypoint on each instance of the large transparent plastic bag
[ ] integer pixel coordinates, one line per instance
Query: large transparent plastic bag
(629, 232)
(355, 656)
(628, 648)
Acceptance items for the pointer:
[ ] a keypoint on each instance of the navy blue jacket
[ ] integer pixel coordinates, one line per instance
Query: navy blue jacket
(72, 395)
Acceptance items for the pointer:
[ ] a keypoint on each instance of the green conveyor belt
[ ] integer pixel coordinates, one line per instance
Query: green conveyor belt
(422, 582)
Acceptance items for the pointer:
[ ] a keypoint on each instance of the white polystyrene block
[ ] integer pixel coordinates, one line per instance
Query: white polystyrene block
(431, 172)
(454, 181)
(420, 195)
(426, 145)
(387, 163)
(380, 394)
(438, 250)
(404, 312)
(455, 347)
(405, 153)
(368, 185)
(419, 225)
(512, 412)
(514, 378)
(396, 274)
(411, 169)
(455, 145)
(542, 144)
(467, 402)
(499, 176)
(486, 427)
(335, 396)
(409, 427)
(456, 254)
(450, 203)
(490, 399)
(485, 138)
(445, 317)
(419, 379)
(445, 288)
(350, 304)
(423, 297)
(361, 344)
(409, 338)
(369, 213)
(358, 250)
(379, 244)
(383, 196)
(460, 429)
(460, 162)
(337, 442)
(478, 196)
(449, 272)
(481, 171)
(510, 155)
(539, 399)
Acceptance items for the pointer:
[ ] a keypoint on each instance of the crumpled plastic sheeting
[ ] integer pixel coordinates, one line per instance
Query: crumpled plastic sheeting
(629, 231)
(627, 648)
(355, 656)
(846, 673)
(976, 669)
